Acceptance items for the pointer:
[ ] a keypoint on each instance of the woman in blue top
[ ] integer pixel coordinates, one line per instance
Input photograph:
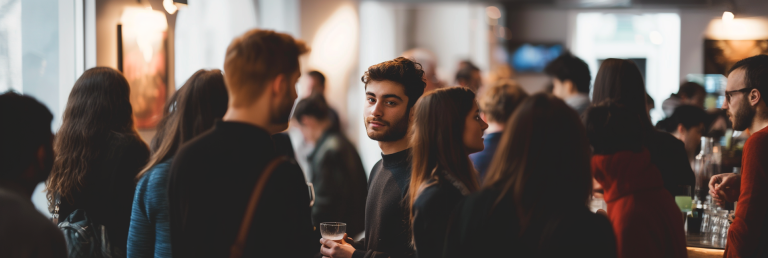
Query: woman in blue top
(191, 111)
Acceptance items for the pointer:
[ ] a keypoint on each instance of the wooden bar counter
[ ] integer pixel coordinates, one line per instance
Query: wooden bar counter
(699, 247)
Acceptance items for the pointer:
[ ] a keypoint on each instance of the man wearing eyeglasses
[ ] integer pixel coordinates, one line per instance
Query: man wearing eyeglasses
(746, 94)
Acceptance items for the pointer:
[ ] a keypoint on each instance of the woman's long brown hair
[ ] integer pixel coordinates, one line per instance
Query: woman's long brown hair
(542, 163)
(191, 111)
(98, 106)
(437, 140)
(620, 81)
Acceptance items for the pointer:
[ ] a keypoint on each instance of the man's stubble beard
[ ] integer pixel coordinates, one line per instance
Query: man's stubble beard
(396, 131)
(743, 119)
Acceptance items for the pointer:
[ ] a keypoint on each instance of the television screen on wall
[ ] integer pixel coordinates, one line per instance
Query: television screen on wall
(533, 57)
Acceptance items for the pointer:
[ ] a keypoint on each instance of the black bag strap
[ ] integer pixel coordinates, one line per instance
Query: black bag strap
(236, 251)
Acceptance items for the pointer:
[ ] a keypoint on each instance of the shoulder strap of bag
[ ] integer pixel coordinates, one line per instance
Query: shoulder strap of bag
(236, 250)
(55, 213)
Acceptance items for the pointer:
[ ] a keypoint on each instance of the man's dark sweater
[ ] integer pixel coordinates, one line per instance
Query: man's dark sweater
(387, 222)
(211, 180)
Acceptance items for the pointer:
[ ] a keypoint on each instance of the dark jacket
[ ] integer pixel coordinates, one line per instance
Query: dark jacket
(431, 212)
(340, 183)
(107, 194)
(669, 156)
(150, 232)
(211, 181)
(477, 229)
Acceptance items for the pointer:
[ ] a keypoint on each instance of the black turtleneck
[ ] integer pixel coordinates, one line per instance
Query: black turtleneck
(387, 227)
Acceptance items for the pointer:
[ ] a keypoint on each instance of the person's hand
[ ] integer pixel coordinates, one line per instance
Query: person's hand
(725, 188)
(332, 249)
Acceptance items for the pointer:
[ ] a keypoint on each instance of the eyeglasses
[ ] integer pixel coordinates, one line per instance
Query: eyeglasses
(728, 93)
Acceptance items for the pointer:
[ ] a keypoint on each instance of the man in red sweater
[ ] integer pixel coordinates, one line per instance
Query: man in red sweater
(746, 106)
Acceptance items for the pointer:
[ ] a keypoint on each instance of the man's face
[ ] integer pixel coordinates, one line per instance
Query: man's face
(386, 111)
(476, 81)
(281, 113)
(739, 111)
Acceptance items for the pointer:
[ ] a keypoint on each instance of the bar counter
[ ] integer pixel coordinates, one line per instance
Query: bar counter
(700, 247)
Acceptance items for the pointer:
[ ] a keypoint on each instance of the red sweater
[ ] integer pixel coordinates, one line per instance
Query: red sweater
(645, 218)
(747, 236)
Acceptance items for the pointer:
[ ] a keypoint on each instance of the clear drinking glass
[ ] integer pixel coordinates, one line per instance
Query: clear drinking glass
(333, 230)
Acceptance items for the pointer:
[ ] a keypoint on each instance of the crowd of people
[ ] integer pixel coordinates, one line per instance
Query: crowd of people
(476, 170)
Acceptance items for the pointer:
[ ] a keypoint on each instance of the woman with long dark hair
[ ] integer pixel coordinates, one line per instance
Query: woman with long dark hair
(191, 111)
(619, 81)
(98, 154)
(645, 218)
(533, 201)
(446, 128)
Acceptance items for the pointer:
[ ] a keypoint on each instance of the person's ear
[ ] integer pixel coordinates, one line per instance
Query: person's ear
(754, 97)
(681, 131)
(277, 86)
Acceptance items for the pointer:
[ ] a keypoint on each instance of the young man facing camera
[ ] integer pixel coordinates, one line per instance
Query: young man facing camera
(212, 177)
(391, 90)
(746, 106)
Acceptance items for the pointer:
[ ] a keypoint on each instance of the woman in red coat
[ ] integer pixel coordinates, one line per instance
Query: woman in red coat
(645, 218)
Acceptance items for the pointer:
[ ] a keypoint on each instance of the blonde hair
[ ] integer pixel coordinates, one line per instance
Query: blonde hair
(500, 100)
(257, 57)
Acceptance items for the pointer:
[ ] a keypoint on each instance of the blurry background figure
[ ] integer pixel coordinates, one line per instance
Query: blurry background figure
(26, 157)
(292, 142)
(687, 124)
(570, 80)
(338, 176)
(690, 93)
(645, 218)
(469, 76)
(316, 83)
(650, 104)
(497, 104)
(428, 62)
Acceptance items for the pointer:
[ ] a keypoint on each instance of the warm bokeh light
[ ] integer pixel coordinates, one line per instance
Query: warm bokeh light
(728, 16)
(493, 12)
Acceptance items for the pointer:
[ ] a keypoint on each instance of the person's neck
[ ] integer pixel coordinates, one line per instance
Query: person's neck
(394, 146)
(572, 94)
(256, 114)
(17, 188)
(319, 132)
(759, 123)
(494, 127)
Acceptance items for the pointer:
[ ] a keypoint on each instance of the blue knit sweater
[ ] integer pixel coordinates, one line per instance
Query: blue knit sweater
(150, 232)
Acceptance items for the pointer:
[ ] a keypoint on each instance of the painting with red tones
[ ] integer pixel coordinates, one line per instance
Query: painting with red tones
(144, 64)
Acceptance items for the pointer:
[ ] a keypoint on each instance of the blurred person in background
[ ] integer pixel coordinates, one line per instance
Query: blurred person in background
(620, 81)
(645, 218)
(338, 174)
(98, 155)
(213, 176)
(690, 93)
(391, 90)
(26, 157)
(428, 62)
(531, 205)
(446, 128)
(687, 125)
(747, 109)
(650, 104)
(191, 111)
(570, 80)
(497, 103)
(469, 76)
